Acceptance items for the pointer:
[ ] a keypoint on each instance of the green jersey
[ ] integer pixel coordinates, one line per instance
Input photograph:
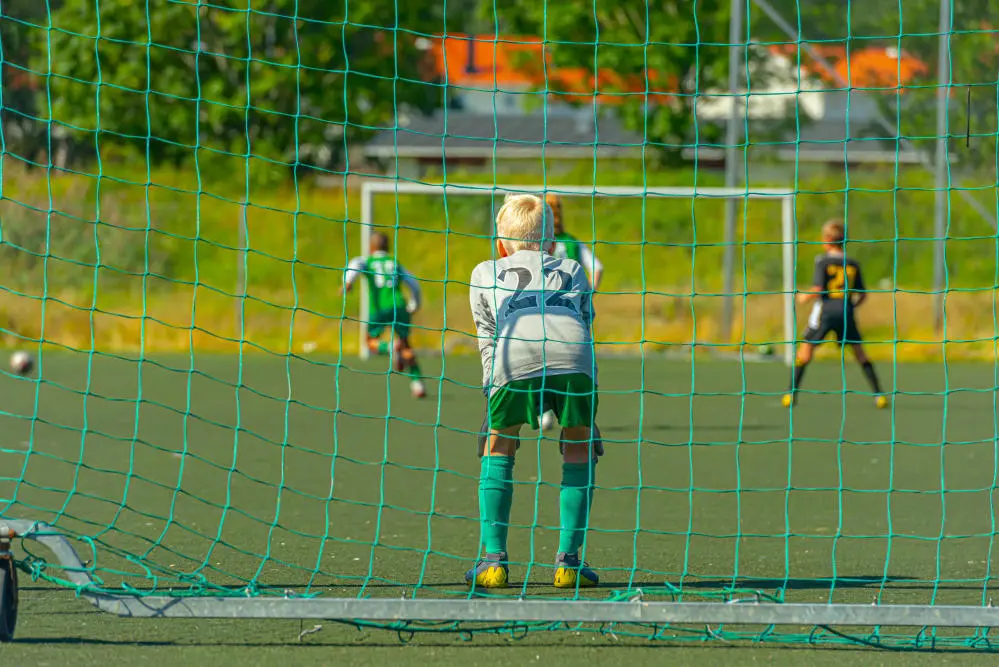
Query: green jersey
(385, 278)
(568, 246)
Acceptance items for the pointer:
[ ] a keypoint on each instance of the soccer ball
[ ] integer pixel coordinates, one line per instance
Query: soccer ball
(766, 350)
(548, 421)
(21, 363)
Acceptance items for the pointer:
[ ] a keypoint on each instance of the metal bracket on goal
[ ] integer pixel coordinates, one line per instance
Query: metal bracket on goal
(635, 610)
(786, 198)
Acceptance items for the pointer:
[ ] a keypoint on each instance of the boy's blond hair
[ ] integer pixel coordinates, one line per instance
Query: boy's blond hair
(833, 232)
(525, 222)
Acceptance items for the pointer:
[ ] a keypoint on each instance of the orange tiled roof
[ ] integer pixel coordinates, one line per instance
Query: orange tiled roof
(517, 62)
(870, 67)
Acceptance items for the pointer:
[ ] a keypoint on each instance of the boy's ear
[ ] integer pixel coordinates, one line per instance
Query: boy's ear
(501, 249)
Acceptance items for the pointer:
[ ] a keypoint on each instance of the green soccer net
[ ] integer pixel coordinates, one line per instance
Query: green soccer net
(205, 432)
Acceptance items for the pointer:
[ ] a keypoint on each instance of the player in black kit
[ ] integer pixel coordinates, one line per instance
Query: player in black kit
(837, 290)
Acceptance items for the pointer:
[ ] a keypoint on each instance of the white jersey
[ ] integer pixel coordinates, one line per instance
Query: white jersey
(587, 258)
(533, 315)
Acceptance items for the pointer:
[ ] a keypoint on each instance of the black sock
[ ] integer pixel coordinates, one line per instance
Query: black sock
(872, 377)
(799, 372)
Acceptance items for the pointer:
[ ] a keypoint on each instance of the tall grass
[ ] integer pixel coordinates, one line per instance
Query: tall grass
(132, 259)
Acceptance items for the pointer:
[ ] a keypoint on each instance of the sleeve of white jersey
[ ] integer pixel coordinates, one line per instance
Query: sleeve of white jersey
(589, 260)
(480, 300)
(586, 298)
(354, 269)
(415, 295)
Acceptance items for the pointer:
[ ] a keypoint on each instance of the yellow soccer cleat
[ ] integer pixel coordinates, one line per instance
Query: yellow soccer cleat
(491, 572)
(568, 570)
(881, 402)
(787, 400)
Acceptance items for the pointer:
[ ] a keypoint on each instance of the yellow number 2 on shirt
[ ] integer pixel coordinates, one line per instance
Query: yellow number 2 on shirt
(838, 279)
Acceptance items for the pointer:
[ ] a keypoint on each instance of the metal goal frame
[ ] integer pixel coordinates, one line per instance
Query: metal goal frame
(372, 188)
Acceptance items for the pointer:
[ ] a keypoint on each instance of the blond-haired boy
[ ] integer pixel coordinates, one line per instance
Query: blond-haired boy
(533, 317)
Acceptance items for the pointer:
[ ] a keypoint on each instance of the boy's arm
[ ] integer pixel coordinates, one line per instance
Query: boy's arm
(860, 287)
(354, 269)
(586, 311)
(817, 286)
(482, 309)
(415, 295)
(592, 265)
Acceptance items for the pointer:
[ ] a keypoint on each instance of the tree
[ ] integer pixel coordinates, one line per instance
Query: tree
(291, 81)
(911, 28)
(974, 64)
(24, 133)
(675, 51)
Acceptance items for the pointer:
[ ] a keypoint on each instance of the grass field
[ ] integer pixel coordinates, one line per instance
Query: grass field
(101, 257)
(707, 484)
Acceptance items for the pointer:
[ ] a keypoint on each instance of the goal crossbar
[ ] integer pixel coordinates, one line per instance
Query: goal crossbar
(371, 188)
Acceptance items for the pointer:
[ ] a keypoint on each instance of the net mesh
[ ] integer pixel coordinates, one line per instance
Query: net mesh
(180, 204)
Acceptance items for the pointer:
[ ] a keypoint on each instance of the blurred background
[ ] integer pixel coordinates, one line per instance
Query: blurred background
(188, 175)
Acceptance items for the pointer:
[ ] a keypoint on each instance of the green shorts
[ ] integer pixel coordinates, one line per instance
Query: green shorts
(398, 320)
(571, 396)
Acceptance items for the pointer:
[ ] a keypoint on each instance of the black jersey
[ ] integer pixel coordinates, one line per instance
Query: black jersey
(837, 277)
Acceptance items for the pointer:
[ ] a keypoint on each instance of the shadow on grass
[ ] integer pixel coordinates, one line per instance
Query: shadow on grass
(685, 427)
(458, 587)
(817, 583)
(471, 641)
(894, 583)
(542, 581)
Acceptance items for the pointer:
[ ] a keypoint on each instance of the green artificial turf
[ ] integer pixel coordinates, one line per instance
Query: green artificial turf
(327, 478)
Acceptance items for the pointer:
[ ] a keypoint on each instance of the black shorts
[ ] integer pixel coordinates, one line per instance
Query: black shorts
(841, 324)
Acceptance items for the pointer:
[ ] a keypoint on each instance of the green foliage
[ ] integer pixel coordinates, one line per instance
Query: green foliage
(679, 50)
(290, 81)
(174, 248)
(85, 238)
(912, 28)
(974, 64)
(307, 235)
(24, 130)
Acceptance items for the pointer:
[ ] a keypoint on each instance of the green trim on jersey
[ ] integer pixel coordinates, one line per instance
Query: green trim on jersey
(571, 244)
(384, 276)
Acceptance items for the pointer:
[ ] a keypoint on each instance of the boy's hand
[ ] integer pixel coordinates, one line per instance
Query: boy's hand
(412, 307)
(806, 296)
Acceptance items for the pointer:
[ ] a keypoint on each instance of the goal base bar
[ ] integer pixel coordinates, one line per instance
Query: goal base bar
(575, 611)
(493, 610)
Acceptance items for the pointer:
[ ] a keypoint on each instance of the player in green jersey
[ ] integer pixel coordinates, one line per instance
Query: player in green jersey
(388, 308)
(568, 246)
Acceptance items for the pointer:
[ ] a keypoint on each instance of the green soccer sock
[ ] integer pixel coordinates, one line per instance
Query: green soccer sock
(383, 348)
(495, 498)
(575, 500)
(414, 369)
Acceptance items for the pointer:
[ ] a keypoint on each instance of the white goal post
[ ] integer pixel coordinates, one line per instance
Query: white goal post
(371, 188)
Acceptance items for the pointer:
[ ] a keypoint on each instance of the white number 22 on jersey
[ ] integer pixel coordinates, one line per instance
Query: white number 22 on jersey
(556, 297)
